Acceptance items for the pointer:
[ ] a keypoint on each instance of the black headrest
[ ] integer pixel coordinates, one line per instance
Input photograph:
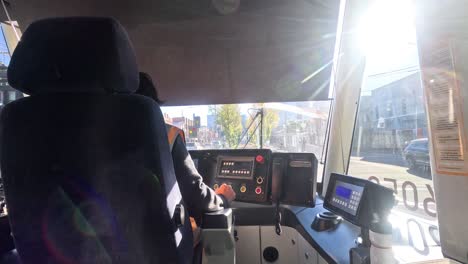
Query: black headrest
(74, 54)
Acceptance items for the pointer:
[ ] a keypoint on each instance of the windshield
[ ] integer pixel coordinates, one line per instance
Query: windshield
(281, 127)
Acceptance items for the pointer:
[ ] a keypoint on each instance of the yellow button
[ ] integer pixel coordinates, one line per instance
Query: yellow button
(215, 186)
(243, 189)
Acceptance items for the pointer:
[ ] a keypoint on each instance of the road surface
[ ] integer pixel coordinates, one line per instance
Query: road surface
(389, 175)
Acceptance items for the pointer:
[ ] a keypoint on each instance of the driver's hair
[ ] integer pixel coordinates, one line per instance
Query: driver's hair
(147, 87)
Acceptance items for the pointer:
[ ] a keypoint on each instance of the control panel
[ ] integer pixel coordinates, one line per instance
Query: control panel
(294, 178)
(359, 201)
(247, 171)
(347, 196)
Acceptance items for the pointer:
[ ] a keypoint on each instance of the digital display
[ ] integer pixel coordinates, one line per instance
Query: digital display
(236, 167)
(343, 192)
(347, 196)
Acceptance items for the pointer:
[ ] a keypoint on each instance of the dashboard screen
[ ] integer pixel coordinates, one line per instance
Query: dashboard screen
(236, 167)
(346, 197)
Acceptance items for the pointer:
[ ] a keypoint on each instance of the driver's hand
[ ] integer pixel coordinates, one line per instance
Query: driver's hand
(196, 232)
(227, 192)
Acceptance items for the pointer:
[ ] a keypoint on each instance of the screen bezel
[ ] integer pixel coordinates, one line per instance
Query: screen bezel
(235, 159)
(334, 177)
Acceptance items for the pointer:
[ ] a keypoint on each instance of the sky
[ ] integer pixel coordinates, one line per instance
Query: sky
(388, 37)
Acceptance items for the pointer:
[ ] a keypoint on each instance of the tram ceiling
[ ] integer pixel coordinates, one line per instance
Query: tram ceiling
(263, 51)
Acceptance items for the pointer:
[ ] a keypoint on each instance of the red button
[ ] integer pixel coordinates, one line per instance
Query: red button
(260, 159)
(258, 190)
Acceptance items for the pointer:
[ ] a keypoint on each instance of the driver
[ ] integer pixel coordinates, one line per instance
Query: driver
(198, 197)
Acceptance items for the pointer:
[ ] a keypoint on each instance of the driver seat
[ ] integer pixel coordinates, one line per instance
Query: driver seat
(86, 165)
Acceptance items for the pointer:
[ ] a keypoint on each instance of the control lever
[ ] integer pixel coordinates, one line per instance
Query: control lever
(218, 238)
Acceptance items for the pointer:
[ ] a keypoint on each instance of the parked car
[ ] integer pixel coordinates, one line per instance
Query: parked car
(416, 154)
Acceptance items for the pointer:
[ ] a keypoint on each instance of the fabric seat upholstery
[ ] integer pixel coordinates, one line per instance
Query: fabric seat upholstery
(86, 164)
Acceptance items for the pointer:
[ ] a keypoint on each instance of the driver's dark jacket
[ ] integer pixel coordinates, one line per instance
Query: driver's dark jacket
(198, 197)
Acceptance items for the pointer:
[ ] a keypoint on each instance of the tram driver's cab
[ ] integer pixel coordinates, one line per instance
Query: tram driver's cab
(87, 172)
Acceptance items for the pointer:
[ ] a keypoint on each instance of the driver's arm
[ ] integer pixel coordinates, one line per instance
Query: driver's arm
(198, 197)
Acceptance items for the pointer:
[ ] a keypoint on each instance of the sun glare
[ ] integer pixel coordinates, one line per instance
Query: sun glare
(387, 28)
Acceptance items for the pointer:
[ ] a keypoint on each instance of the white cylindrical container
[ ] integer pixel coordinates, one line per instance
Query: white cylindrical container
(381, 248)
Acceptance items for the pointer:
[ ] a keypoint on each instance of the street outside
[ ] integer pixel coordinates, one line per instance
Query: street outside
(362, 168)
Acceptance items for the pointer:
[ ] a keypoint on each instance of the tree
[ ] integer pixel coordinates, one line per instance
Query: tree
(230, 120)
(270, 121)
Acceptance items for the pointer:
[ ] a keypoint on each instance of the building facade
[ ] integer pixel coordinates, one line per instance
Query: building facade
(391, 116)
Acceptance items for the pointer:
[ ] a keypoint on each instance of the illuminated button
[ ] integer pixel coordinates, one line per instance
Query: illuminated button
(258, 190)
(260, 159)
(243, 189)
(259, 180)
(215, 186)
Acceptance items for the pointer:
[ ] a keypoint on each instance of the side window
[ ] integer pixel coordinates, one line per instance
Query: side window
(391, 149)
(7, 93)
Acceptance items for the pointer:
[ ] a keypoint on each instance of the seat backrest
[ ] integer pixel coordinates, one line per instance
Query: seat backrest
(86, 165)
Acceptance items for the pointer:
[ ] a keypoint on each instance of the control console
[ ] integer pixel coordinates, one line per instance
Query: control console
(359, 201)
(260, 176)
(247, 171)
